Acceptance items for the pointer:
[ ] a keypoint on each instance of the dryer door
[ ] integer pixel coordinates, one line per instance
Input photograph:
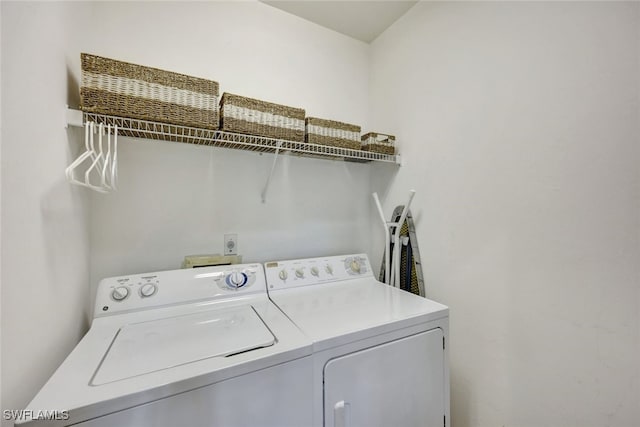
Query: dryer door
(400, 383)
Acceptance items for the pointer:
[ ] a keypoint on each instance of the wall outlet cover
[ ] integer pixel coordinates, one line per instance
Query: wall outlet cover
(230, 244)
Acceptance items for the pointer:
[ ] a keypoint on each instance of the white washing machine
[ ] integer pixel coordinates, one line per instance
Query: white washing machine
(197, 347)
(379, 353)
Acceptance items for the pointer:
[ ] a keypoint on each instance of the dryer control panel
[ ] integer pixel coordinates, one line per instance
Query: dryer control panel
(314, 271)
(161, 288)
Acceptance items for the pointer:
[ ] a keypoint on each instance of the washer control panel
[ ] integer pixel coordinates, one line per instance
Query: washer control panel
(142, 291)
(315, 271)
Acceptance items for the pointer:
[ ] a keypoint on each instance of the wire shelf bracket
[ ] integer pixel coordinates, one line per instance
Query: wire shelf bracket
(273, 167)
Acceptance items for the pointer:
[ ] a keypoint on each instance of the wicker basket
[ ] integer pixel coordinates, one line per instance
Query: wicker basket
(379, 143)
(255, 117)
(122, 89)
(332, 133)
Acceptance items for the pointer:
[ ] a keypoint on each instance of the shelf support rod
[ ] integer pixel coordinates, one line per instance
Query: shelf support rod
(73, 118)
(273, 167)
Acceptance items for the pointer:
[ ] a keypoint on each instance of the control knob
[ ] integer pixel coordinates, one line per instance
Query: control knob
(148, 289)
(236, 280)
(120, 293)
(299, 273)
(355, 265)
(315, 271)
(283, 274)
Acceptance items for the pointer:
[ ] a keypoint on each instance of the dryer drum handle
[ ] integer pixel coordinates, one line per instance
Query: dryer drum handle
(342, 414)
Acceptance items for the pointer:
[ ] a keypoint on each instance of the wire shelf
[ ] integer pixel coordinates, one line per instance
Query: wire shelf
(216, 138)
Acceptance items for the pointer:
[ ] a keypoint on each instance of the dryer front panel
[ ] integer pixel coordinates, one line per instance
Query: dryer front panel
(400, 383)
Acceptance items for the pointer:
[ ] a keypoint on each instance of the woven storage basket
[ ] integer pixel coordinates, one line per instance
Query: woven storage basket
(379, 143)
(255, 117)
(127, 90)
(332, 133)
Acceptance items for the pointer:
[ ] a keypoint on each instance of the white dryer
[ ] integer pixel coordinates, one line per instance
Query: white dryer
(380, 354)
(197, 347)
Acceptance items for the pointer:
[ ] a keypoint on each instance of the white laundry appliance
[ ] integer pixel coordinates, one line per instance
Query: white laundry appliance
(379, 353)
(196, 347)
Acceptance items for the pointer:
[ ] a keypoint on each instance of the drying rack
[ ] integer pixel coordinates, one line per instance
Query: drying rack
(136, 128)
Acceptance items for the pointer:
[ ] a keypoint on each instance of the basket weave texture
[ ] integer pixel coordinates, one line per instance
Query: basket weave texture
(255, 117)
(122, 89)
(379, 143)
(332, 133)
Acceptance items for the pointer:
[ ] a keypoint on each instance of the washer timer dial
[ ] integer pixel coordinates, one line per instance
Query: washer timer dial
(120, 293)
(148, 289)
(236, 280)
(355, 266)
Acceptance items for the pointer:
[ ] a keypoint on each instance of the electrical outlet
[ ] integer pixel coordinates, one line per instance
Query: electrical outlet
(231, 244)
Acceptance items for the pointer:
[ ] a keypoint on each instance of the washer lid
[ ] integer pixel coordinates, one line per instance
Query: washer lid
(141, 348)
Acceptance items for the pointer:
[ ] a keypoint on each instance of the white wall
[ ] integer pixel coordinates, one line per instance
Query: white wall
(520, 123)
(45, 222)
(177, 199)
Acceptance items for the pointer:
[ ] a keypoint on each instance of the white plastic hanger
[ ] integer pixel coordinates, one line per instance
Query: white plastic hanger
(107, 165)
(114, 160)
(89, 128)
(97, 159)
(101, 174)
